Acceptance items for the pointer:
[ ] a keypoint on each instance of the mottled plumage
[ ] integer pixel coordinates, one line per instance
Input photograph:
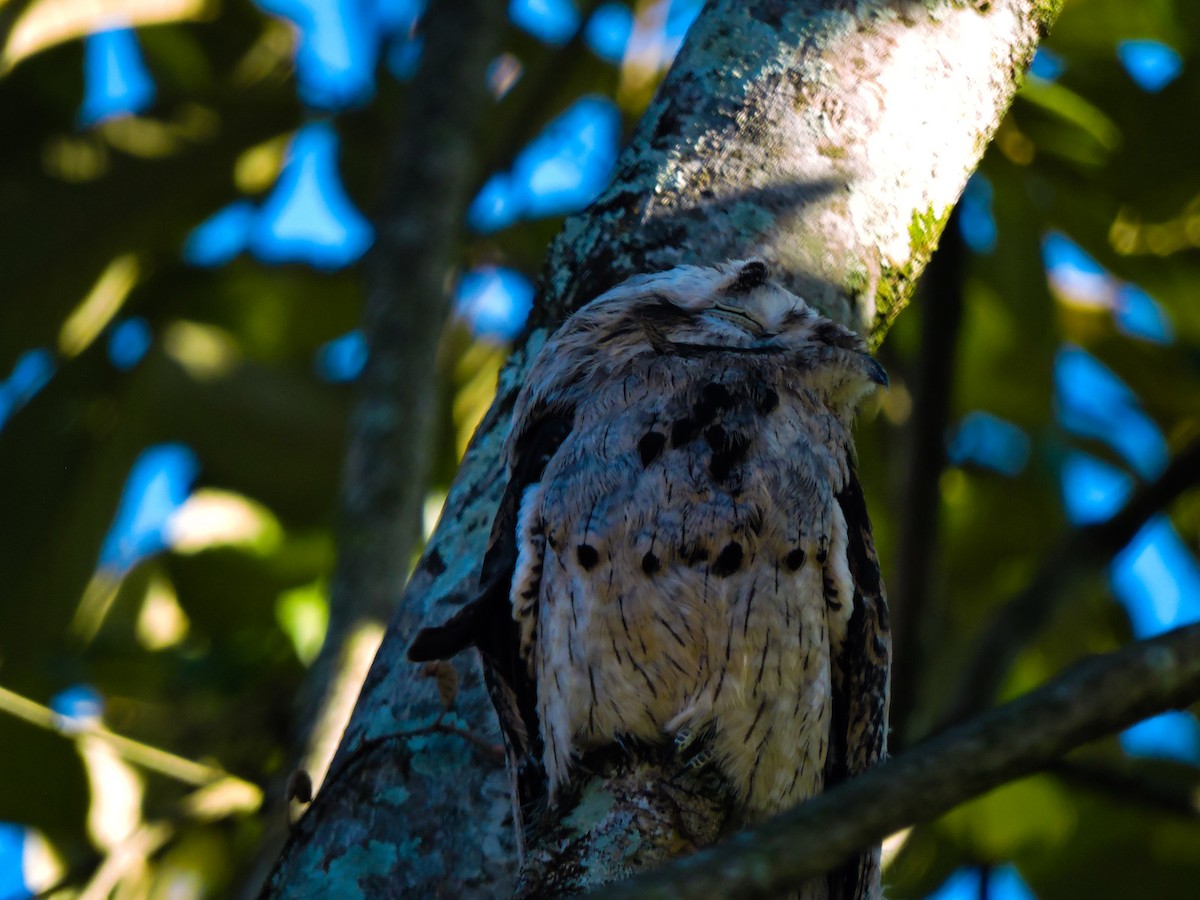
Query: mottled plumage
(683, 552)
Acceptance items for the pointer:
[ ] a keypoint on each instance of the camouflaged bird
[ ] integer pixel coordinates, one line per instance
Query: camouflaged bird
(683, 552)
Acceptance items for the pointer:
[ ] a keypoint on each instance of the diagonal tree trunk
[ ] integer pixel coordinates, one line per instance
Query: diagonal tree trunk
(832, 138)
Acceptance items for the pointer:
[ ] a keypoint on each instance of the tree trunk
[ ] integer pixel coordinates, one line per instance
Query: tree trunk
(831, 138)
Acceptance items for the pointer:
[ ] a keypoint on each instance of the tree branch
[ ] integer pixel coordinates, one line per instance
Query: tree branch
(1176, 792)
(1096, 697)
(151, 758)
(1082, 552)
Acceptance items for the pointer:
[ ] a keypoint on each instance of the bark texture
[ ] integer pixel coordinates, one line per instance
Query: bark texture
(832, 138)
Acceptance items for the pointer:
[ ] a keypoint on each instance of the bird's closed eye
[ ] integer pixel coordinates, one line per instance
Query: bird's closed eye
(740, 318)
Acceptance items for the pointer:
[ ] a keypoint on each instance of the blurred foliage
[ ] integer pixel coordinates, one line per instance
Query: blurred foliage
(200, 649)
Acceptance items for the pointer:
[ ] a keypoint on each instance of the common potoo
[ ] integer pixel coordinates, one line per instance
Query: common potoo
(682, 554)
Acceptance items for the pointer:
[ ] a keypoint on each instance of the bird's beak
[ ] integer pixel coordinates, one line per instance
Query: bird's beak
(875, 372)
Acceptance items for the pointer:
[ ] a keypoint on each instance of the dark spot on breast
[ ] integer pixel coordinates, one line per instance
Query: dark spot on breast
(651, 446)
(587, 556)
(765, 400)
(728, 451)
(822, 555)
(714, 398)
(693, 554)
(718, 395)
(434, 564)
(651, 564)
(682, 431)
(729, 560)
(795, 559)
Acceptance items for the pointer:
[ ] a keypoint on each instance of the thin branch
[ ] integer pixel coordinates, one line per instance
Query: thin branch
(136, 752)
(1136, 785)
(1094, 698)
(101, 872)
(125, 858)
(1081, 553)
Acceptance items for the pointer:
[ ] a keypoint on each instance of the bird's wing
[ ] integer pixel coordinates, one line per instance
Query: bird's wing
(487, 621)
(860, 682)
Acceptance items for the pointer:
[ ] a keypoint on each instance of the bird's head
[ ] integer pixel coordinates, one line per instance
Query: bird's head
(734, 308)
